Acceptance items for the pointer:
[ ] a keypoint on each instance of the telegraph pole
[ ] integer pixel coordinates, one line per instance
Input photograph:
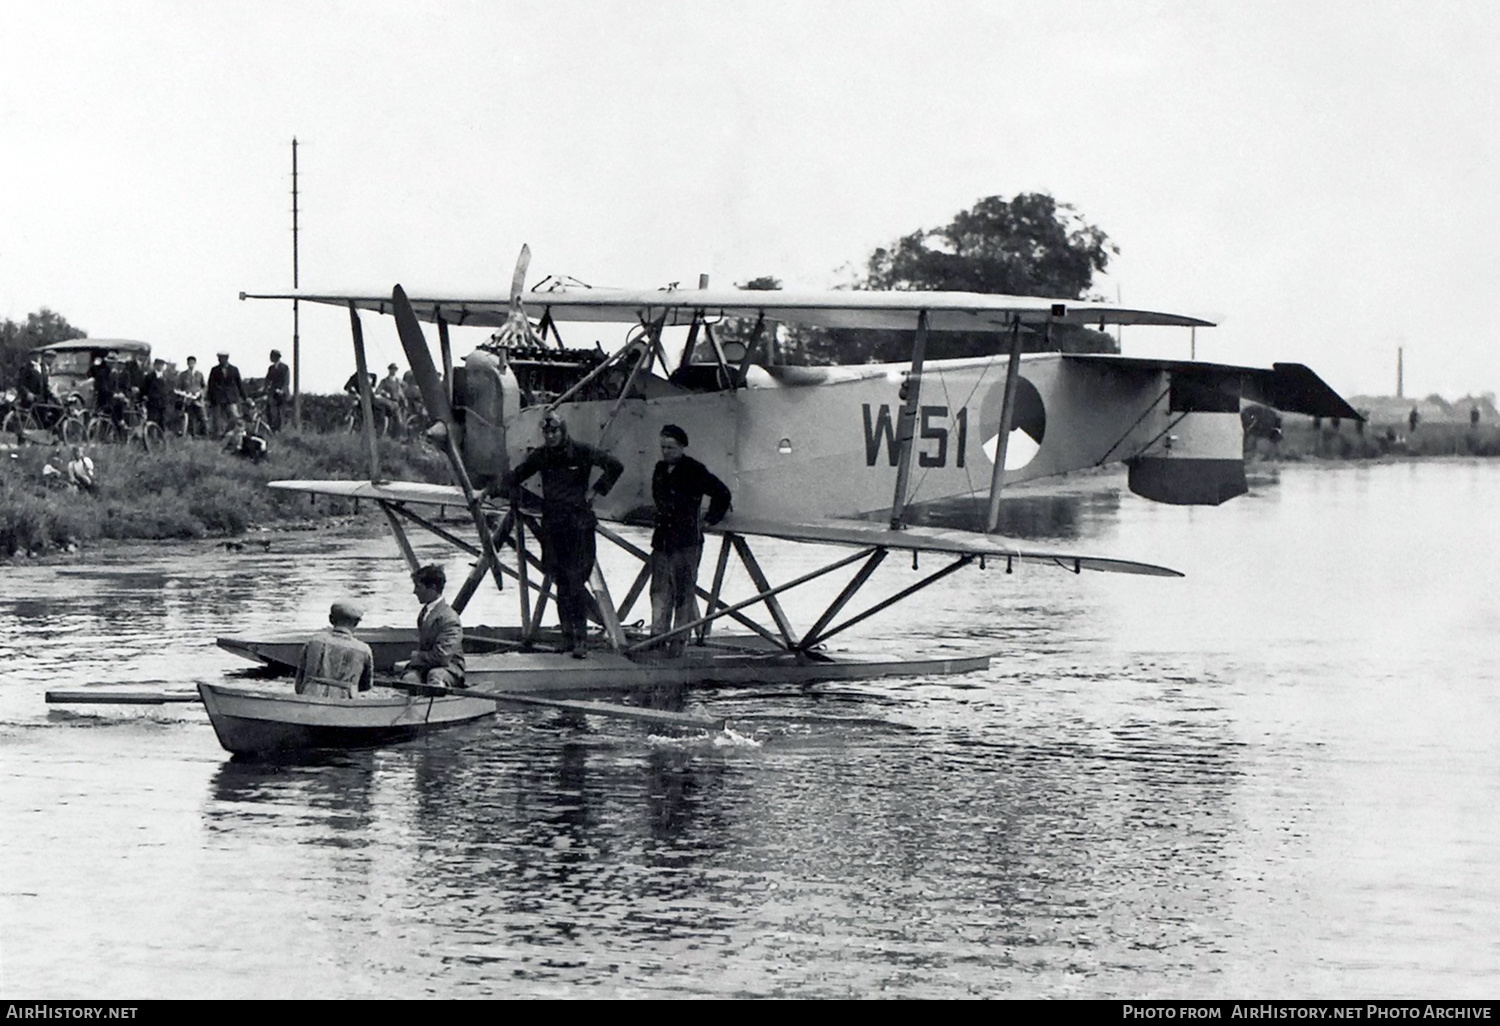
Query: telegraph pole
(296, 313)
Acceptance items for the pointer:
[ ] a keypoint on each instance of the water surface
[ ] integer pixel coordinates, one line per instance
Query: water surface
(1276, 776)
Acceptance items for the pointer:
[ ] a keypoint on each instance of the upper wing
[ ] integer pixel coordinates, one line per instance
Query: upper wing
(946, 311)
(829, 532)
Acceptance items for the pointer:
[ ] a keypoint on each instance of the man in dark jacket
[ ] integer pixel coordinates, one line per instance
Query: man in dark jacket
(34, 392)
(678, 487)
(104, 385)
(157, 392)
(567, 518)
(225, 393)
(278, 391)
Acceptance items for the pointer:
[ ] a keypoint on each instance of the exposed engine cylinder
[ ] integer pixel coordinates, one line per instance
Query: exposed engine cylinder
(490, 394)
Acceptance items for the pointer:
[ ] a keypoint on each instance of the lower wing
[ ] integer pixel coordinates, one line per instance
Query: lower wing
(827, 532)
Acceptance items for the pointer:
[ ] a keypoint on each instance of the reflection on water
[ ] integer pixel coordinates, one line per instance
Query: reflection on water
(1275, 776)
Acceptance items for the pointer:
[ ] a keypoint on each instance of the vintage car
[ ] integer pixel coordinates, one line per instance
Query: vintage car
(70, 368)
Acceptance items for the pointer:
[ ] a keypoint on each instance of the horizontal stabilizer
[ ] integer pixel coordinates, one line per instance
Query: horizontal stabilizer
(1289, 387)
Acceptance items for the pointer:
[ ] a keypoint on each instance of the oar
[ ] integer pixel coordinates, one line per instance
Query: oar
(119, 697)
(626, 712)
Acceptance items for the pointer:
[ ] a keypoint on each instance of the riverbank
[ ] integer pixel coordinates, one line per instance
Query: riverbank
(1304, 438)
(186, 489)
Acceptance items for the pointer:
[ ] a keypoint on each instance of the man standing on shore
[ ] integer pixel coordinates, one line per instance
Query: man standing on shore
(190, 385)
(336, 664)
(157, 392)
(678, 486)
(568, 519)
(34, 389)
(225, 394)
(278, 390)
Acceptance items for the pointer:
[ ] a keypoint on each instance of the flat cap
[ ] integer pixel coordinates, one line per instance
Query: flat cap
(345, 611)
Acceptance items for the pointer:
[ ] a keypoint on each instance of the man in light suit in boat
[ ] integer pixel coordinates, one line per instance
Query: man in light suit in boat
(439, 658)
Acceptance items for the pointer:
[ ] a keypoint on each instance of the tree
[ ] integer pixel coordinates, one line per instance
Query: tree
(18, 340)
(1027, 246)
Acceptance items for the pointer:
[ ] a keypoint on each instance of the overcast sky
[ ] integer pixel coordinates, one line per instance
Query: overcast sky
(1318, 176)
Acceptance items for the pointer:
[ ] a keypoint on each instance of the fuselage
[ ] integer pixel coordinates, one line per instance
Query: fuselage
(803, 443)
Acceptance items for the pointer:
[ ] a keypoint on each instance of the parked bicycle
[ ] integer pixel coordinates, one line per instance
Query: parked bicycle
(132, 426)
(63, 421)
(391, 420)
(190, 419)
(255, 419)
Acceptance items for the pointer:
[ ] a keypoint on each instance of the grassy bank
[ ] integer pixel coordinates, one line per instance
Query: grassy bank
(187, 489)
(1302, 439)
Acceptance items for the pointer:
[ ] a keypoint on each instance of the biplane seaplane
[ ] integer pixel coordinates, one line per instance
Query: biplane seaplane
(837, 456)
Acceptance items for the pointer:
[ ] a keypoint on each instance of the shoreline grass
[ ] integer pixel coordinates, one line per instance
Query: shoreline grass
(186, 489)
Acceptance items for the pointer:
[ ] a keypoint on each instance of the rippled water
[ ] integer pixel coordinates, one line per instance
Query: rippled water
(1277, 776)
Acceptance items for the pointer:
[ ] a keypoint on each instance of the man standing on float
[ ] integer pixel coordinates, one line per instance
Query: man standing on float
(678, 486)
(568, 519)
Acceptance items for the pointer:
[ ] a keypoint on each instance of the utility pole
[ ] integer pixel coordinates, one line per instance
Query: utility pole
(296, 313)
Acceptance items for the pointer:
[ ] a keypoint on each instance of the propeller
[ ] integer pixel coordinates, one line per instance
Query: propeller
(436, 398)
(517, 329)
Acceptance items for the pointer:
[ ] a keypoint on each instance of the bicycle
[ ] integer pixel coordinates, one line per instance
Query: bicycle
(255, 422)
(62, 421)
(133, 426)
(190, 418)
(387, 424)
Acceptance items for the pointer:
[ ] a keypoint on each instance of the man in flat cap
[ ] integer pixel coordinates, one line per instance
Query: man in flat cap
(278, 391)
(678, 487)
(336, 664)
(225, 394)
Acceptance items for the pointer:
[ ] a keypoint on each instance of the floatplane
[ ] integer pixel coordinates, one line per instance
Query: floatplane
(838, 456)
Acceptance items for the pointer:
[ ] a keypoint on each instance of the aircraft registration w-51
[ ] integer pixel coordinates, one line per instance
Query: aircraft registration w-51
(837, 455)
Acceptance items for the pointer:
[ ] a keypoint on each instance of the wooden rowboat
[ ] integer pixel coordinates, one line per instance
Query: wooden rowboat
(255, 722)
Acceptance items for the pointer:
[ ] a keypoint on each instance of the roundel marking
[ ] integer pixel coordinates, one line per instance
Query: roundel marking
(1028, 424)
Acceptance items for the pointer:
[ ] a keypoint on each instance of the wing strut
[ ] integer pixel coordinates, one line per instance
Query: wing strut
(366, 401)
(908, 426)
(1007, 415)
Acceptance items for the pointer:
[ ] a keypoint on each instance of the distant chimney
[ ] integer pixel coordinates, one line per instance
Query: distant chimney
(1400, 389)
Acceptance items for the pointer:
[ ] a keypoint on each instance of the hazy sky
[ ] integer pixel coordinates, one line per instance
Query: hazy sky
(1320, 176)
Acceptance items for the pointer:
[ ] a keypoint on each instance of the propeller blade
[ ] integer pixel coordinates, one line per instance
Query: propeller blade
(518, 280)
(420, 358)
(417, 354)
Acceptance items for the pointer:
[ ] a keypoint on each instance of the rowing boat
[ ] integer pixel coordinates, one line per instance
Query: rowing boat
(256, 722)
